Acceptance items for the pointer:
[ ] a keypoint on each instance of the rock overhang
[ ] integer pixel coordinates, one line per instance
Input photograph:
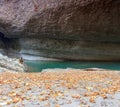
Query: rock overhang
(90, 22)
(67, 19)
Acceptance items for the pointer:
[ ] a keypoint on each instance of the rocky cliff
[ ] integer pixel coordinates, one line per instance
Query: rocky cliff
(67, 29)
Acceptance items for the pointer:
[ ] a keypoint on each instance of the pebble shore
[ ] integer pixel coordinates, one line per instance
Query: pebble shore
(65, 88)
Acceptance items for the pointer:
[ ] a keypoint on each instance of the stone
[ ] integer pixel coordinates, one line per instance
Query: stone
(94, 69)
(63, 29)
(10, 64)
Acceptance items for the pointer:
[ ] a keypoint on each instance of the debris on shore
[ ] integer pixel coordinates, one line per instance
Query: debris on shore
(65, 88)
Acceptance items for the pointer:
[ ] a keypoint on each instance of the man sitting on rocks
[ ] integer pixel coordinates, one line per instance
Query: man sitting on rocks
(21, 60)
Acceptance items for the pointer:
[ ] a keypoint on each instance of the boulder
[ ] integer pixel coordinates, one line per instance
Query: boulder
(10, 64)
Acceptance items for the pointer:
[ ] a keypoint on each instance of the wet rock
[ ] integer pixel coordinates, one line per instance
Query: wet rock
(94, 69)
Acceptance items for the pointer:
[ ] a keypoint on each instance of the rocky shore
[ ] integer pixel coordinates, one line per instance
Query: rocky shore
(65, 88)
(10, 64)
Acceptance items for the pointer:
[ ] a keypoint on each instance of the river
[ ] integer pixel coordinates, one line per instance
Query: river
(37, 66)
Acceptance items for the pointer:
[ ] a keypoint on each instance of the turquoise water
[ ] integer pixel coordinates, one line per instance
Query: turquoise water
(37, 66)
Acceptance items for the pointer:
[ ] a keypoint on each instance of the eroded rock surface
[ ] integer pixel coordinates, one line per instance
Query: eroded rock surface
(68, 29)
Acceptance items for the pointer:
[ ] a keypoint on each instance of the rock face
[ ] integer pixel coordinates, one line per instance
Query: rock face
(9, 64)
(67, 29)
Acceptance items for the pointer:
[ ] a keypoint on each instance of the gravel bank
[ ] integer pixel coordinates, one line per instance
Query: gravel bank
(66, 88)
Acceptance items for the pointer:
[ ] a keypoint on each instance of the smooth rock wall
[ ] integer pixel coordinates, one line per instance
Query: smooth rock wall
(70, 50)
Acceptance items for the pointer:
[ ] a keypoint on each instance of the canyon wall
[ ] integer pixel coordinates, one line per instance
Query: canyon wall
(64, 29)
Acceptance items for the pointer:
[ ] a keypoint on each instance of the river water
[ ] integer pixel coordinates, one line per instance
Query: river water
(37, 66)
